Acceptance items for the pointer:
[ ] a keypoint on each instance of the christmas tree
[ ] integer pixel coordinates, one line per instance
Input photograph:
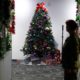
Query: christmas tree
(40, 41)
(4, 26)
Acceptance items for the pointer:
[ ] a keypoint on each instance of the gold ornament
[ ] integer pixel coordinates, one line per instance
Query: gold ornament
(47, 28)
(35, 47)
(12, 12)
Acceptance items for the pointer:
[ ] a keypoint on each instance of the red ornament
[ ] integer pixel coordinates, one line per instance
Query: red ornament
(13, 23)
(41, 6)
(11, 29)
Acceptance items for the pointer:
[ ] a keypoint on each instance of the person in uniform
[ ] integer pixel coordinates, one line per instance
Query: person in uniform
(70, 51)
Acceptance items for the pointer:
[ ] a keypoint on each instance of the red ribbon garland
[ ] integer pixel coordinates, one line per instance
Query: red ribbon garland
(41, 6)
(12, 25)
(11, 29)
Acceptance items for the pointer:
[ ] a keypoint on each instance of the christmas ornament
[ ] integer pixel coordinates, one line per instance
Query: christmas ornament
(12, 27)
(41, 6)
(32, 23)
(47, 31)
(12, 12)
(39, 26)
(48, 47)
(47, 28)
(35, 47)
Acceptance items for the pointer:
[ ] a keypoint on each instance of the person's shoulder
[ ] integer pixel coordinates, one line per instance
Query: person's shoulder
(71, 39)
(68, 39)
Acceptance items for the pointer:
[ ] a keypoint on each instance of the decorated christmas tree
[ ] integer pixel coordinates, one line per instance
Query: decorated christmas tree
(40, 42)
(5, 36)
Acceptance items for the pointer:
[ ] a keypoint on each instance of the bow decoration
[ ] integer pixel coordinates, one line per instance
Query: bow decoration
(41, 6)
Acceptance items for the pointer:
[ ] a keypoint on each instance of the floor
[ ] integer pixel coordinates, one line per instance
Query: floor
(21, 71)
(5, 67)
(36, 72)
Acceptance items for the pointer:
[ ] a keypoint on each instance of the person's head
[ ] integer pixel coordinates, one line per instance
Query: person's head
(71, 26)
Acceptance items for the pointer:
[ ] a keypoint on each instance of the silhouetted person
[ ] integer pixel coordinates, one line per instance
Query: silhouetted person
(70, 52)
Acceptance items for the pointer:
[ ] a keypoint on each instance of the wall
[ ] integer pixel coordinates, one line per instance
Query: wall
(5, 67)
(59, 11)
